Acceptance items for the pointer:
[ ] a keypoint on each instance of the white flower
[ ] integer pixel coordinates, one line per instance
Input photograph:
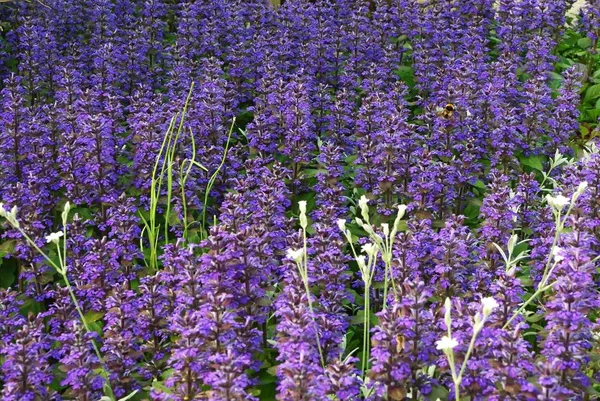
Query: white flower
(295, 254)
(54, 237)
(512, 242)
(556, 254)
(370, 249)
(11, 216)
(446, 344)
(363, 203)
(557, 202)
(401, 211)
(342, 225)
(362, 263)
(386, 229)
(580, 189)
(448, 313)
(488, 304)
(303, 220)
(65, 212)
(302, 207)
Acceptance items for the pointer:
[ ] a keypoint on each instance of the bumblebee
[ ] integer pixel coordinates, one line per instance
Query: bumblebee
(447, 111)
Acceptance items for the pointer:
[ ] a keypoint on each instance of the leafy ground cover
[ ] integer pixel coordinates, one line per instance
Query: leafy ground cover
(331, 200)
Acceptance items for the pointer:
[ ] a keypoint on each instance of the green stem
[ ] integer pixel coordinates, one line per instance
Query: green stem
(62, 270)
(304, 275)
(366, 347)
(213, 178)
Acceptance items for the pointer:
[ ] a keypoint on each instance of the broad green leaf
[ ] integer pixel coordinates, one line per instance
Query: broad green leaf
(584, 43)
(92, 317)
(534, 162)
(407, 75)
(7, 274)
(592, 93)
(7, 247)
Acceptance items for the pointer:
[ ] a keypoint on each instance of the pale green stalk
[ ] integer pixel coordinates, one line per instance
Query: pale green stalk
(170, 161)
(150, 226)
(166, 154)
(61, 269)
(304, 276)
(543, 286)
(183, 180)
(213, 178)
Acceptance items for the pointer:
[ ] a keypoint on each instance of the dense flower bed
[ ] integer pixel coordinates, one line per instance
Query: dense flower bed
(334, 200)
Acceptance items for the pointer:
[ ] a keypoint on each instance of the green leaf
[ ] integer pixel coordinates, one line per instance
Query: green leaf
(471, 211)
(592, 93)
(535, 162)
(407, 75)
(7, 247)
(439, 392)
(584, 43)
(160, 385)
(7, 274)
(534, 318)
(93, 317)
(593, 114)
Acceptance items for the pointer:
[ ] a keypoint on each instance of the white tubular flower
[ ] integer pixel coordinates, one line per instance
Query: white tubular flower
(370, 249)
(54, 237)
(512, 242)
(303, 220)
(557, 202)
(488, 304)
(13, 213)
(581, 189)
(363, 203)
(386, 229)
(65, 212)
(342, 225)
(11, 216)
(447, 313)
(296, 255)
(362, 262)
(401, 211)
(446, 344)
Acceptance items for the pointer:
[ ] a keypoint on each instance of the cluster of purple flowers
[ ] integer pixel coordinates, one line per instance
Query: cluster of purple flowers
(452, 108)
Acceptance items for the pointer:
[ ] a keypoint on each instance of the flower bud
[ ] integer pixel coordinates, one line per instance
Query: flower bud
(303, 220)
(362, 262)
(447, 313)
(386, 229)
(65, 212)
(363, 203)
(370, 249)
(342, 225)
(512, 241)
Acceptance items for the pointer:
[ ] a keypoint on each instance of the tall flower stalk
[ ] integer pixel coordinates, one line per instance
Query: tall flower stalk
(62, 269)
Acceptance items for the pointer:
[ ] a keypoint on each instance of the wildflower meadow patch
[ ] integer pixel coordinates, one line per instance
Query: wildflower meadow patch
(225, 200)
